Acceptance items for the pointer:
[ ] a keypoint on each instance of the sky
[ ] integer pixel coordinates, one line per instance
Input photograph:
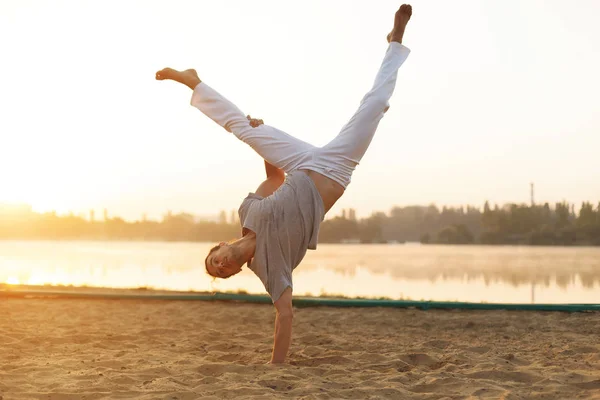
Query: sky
(494, 95)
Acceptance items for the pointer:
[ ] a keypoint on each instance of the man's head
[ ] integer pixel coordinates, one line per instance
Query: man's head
(224, 260)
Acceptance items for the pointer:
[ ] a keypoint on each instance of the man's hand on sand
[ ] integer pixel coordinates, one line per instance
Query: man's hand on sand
(254, 122)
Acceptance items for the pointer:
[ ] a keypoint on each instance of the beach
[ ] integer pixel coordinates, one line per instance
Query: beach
(155, 349)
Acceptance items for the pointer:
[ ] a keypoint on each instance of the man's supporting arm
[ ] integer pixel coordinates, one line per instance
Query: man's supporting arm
(283, 327)
(216, 107)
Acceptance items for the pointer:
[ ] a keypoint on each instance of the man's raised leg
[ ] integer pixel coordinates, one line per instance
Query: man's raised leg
(275, 146)
(352, 142)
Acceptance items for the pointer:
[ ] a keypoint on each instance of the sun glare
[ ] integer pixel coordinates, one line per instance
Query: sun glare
(13, 280)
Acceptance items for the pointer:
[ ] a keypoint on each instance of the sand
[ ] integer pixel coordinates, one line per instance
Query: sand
(150, 349)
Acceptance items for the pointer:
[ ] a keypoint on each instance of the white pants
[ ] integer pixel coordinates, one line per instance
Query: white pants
(336, 160)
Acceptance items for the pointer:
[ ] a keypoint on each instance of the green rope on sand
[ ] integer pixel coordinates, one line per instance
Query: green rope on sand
(298, 301)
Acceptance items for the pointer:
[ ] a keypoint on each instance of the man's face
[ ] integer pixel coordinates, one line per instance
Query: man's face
(223, 262)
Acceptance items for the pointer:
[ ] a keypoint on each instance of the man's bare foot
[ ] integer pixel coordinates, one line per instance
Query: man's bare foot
(400, 20)
(189, 77)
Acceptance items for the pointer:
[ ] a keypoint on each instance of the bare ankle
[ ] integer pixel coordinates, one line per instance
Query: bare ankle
(192, 82)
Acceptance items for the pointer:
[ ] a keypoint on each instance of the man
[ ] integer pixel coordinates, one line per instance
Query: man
(281, 220)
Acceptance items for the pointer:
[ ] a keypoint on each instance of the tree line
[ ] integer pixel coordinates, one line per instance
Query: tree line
(559, 224)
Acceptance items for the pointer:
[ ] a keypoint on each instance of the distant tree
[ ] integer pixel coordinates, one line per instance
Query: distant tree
(370, 230)
(338, 229)
(455, 234)
(587, 215)
(562, 214)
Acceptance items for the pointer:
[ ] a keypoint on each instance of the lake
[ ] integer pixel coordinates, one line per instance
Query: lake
(494, 274)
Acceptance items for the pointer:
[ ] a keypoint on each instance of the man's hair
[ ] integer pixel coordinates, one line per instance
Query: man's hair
(206, 259)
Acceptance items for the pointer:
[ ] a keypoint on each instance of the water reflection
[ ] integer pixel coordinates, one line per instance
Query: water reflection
(470, 273)
(508, 264)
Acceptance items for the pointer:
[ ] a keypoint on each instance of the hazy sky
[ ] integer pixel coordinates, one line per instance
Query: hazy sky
(493, 96)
